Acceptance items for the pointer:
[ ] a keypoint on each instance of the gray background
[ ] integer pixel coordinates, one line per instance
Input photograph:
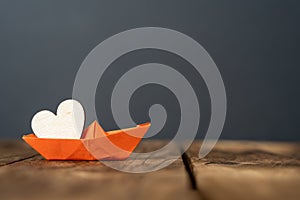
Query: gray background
(254, 43)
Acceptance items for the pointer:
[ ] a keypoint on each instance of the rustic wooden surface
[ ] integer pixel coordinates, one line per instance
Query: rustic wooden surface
(233, 170)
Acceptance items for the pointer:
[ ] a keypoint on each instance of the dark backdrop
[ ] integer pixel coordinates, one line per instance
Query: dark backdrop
(254, 43)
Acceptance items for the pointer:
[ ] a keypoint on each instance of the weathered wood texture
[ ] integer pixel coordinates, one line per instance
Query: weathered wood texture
(36, 178)
(233, 170)
(248, 170)
(13, 151)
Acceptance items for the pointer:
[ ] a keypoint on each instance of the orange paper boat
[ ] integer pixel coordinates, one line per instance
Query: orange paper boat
(95, 144)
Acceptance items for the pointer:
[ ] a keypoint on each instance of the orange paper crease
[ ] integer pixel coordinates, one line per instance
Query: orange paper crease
(95, 144)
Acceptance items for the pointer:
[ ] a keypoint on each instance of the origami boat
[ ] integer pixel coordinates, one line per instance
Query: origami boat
(95, 144)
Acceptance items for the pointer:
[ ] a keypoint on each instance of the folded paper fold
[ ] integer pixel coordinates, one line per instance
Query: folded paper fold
(95, 144)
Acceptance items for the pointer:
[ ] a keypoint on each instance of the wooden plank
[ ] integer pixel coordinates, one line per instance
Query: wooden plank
(36, 178)
(13, 151)
(248, 170)
(234, 170)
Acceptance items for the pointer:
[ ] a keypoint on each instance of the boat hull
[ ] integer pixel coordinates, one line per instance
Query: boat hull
(112, 145)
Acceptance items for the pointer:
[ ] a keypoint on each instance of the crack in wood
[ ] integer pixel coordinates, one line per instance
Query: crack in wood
(222, 163)
(189, 169)
(17, 160)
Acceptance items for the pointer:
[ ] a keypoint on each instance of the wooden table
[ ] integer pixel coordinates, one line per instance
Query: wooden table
(233, 170)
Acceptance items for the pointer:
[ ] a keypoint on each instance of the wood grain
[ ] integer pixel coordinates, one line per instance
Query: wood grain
(248, 170)
(13, 151)
(233, 170)
(36, 178)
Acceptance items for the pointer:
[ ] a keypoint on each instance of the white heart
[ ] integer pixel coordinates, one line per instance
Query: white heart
(68, 123)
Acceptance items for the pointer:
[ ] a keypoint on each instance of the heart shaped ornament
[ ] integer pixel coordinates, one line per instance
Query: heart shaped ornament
(67, 124)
